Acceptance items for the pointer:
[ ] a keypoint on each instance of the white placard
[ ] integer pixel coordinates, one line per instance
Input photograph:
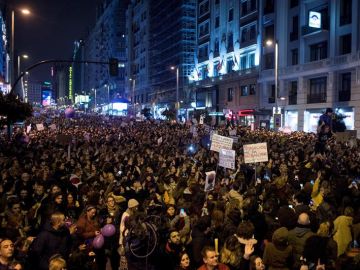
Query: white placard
(210, 181)
(220, 142)
(227, 158)
(160, 140)
(201, 122)
(123, 124)
(39, 127)
(232, 132)
(28, 129)
(235, 139)
(52, 127)
(255, 153)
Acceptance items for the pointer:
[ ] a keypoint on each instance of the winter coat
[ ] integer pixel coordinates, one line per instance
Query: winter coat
(86, 228)
(297, 239)
(343, 233)
(278, 254)
(48, 243)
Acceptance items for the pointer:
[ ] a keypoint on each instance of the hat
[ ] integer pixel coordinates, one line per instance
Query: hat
(329, 110)
(132, 203)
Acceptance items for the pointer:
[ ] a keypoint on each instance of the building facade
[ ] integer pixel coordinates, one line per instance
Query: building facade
(106, 40)
(318, 60)
(224, 80)
(160, 48)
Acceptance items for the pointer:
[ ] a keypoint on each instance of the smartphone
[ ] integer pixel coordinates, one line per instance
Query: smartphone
(119, 173)
(311, 202)
(290, 205)
(302, 186)
(182, 212)
(312, 182)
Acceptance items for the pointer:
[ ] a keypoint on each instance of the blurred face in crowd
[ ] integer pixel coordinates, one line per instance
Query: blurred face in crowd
(175, 238)
(185, 261)
(39, 190)
(211, 258)
(70, 198)
(25, 177)
(24, 194)
(55, 189)
(171, 211)
(91, 213)
(16, 208)
(59, 199)
(110, 202)
(259, 265)
(6, 249)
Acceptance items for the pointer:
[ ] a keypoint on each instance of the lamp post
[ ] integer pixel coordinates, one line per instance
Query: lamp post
(133, 93)
(25, 56)
(276, 73)
(12, 53)
(177, 105)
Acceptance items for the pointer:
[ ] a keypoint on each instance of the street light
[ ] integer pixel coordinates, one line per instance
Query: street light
(25, 56)
(269, 43)
(25, 12)
(177, 105)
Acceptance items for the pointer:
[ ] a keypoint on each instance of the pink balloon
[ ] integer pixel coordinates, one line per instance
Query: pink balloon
(98, 241)
(108, 230)
(69, 112)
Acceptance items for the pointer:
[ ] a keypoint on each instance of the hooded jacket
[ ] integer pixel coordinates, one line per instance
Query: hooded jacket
(279, 254)
(297, 238)
(48, 243)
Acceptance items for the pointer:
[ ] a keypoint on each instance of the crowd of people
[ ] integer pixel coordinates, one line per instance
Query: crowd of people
(62, 184)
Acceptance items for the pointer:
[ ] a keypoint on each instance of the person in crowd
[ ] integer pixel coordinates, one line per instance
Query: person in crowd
(298, 236)
(184, 262)
(343, 230)
(54, 239)
(6, 253)
(56, 262)
(210, 258)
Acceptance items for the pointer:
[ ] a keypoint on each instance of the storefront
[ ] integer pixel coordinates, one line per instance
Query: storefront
(291, 120)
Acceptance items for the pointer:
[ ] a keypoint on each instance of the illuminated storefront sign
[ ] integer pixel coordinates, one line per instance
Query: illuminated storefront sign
(314, 19)
(70, 83)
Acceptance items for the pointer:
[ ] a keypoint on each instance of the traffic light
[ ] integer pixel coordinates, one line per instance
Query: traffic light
(113, 67)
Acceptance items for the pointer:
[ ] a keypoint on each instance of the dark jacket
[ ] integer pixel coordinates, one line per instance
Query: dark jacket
(48, 243)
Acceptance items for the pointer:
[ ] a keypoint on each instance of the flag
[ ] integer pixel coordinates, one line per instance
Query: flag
(219, 66)
(235, 62)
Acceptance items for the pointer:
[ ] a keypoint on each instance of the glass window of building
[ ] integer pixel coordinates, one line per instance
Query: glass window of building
(217, 21)
(345, 87)
(318, 51)
(229, 64)
(244, 90)
(216, 48)
(230, 96)
(216, 68)
(345, 44)
(230, 40)
(293, 93)
(252, 89)
(251, 60)
(204, 8)
(204, 29)
(243, 62)
(294, 56)
(317, 91)
(231, 14)
(269, 61)
(345, 12)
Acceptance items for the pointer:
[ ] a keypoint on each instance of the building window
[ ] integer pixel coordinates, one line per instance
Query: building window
(244, 9)
(294, 56)
(217, 22)
(345, 87)
(231, 15)
(229, 64)
(243, 62)
(216, 48)
(252, 89)
(293, 93)
(294, 35)
(248, 33)
(318, 51)
(203, 52)
(251, 60)
(269, 32)
(230, 94)
(269, 6)
(230, 45)
(317, 93)
(216, 68)
(269, 61)
(345, 44)
(244, 90)
(203, 8)
(272, 94)
(294, 3)
(217, 2)
(345, 12)
(204, 29)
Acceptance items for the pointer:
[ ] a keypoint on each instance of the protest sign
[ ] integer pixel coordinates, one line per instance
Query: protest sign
(210, 181)
(52, 127)
(255, 153)
(232, 132)
(28, 129)
(40, 127)
(227, 158)
(160, 140)
(220, 142)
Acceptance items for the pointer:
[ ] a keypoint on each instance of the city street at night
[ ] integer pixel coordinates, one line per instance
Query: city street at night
(180, 135)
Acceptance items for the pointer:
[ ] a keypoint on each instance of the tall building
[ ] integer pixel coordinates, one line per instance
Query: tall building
(160, 44)
(318, 60)
(106, 40)
(224, 80)
(4, 59)
(78, 70)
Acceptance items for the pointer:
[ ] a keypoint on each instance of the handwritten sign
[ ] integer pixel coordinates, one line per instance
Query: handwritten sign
(52, 127)
(232, 132)
(40, 127)
(227, 158)
(255, 153)
(220, 142)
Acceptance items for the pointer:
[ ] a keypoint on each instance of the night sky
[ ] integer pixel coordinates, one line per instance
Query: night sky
(51, 29)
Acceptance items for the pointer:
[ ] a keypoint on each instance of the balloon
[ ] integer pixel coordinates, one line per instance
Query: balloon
(69, 112)
(108, 230)
(98, 241)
